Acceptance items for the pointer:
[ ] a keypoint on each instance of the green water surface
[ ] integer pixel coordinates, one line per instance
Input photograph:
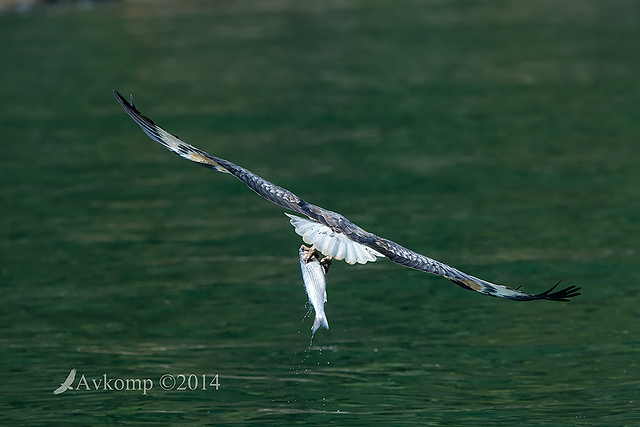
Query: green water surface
(499, 137)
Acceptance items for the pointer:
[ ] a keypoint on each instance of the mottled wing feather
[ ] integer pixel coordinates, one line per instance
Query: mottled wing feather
(411, 259)
(408, 258)
(334, 221)
(264, 188)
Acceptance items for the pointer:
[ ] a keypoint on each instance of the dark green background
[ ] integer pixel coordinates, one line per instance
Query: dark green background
(499, 137)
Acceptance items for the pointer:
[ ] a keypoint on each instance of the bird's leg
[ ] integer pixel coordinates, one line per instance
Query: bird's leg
(325, 263)
(311, 252)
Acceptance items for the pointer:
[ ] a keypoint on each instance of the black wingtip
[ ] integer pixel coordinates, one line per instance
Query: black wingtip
(561, 295)
(123, 100)
(130, 108)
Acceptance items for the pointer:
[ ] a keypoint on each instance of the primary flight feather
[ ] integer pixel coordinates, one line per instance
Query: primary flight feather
(330, 232)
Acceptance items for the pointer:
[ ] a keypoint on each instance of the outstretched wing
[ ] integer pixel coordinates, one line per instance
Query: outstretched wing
(335, 222)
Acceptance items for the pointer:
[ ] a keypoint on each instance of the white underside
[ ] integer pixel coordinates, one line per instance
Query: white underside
(331, 243)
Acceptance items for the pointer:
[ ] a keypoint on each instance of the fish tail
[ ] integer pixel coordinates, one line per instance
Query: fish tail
(320, 321)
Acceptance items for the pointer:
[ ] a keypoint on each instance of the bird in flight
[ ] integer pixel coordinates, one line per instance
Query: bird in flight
(330, 232)
(66, 384)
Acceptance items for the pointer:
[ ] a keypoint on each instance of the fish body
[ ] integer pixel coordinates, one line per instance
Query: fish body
(315, 284)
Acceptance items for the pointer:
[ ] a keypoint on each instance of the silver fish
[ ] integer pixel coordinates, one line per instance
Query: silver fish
(314, 283)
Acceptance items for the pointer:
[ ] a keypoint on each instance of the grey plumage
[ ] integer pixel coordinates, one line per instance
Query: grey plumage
(336, 222)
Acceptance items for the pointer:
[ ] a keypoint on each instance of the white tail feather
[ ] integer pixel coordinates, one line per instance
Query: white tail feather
(331, 243)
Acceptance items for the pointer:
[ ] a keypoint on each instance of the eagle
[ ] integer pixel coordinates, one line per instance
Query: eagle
(330, 232)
